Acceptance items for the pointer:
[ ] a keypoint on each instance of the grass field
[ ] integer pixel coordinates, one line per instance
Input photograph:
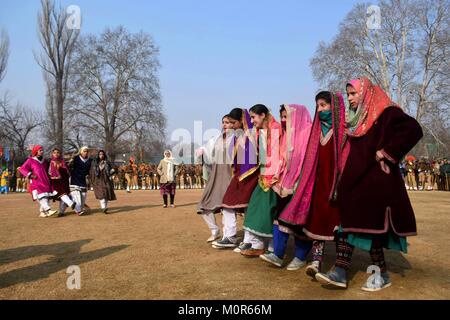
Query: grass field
(142, 251)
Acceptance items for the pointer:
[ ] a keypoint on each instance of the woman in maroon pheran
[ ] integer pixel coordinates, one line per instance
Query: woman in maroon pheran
(374, 207)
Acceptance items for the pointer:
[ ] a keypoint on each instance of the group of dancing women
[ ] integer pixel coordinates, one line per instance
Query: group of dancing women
(335, 178)
(55, 180)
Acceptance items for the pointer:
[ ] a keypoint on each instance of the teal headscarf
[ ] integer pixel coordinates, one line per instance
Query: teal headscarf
(326, 121)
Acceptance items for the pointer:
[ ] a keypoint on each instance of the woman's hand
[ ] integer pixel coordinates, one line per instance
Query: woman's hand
(385, 167)
(379, 156)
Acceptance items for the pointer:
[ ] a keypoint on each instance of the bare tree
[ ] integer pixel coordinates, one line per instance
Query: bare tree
(433, 54)
(17, 124)
(115, 86)
(147, 139)
(382, 54)
(407, 56)
(57, 42)
(50, 109)
(4, 53)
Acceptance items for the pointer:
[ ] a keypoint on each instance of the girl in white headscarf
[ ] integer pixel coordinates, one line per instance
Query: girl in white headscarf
(168, 170)
(79, 168)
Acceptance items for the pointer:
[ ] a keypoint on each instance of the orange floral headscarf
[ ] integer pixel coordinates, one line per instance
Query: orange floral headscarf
(372, 104)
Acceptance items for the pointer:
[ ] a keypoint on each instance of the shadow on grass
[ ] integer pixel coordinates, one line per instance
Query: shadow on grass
(64, 255)
(127, 209)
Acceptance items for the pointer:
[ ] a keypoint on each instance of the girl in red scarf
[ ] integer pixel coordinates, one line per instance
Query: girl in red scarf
(374, 207)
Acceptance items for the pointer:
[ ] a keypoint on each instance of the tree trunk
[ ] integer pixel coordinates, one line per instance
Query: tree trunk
(59, 114)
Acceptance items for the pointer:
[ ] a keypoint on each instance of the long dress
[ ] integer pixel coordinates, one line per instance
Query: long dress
(262, 208)
(261, 212)
(323, 219)
(59, 177)
(219, 178)
(371, 201)
(238, 192)
(245, 168)
(100, 177)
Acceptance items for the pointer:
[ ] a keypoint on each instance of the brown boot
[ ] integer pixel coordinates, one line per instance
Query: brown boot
(252, 252)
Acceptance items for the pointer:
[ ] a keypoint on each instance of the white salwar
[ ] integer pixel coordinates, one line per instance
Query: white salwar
(43, 205)
(66, 200)
(104, 203)
(229, 222)
(78, 193)
(254, 240)
(210, 219)
(79, 197)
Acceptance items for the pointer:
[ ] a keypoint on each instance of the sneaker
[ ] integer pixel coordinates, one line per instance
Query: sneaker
(61, 214)
(242, 246)
(81, 213)
(42, 215)
(50, 212)
(224, 243)
(312, 269)
(334, 278)
(296, 264)
(105, 211)
(164, 205)
(172, 206)
(377, 283)
(73, 205)
(213, 237)
(252, 252)
(272, 258)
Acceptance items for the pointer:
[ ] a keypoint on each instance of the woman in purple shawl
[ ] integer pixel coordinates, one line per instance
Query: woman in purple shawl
(245, 176)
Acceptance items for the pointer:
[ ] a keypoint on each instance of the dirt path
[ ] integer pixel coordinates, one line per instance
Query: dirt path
(142, 251)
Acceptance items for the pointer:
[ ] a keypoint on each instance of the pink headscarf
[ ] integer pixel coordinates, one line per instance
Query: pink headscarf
(292, 148)
(297, 210)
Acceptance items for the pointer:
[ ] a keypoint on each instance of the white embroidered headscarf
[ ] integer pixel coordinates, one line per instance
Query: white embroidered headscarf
(83, 148)
(171, 163)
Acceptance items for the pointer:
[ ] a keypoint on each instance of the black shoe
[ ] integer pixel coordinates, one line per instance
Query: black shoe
(225, 243)
(60, 215)
(73, 205)
(105, 211)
